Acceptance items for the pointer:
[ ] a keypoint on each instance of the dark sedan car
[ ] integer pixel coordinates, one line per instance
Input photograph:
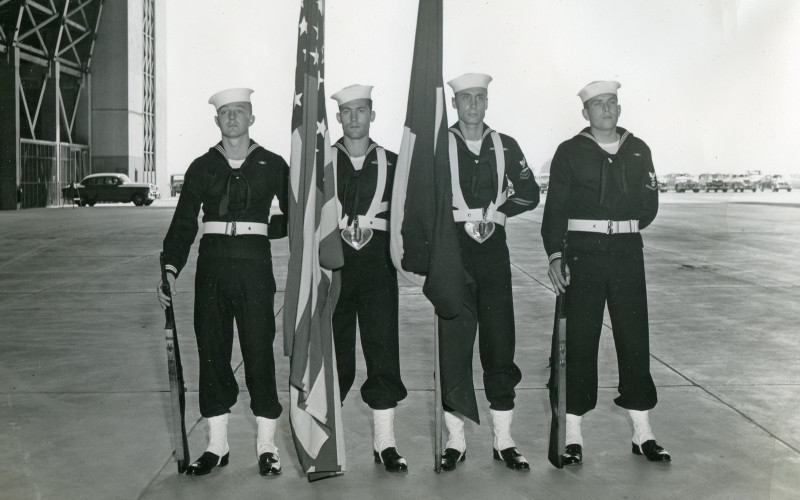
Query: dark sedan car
(716, 183)
(111, 188)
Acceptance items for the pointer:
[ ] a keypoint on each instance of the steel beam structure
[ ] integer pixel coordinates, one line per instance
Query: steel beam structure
(46, 49)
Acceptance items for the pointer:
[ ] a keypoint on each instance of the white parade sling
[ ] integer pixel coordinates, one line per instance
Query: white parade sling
(360, 232)
(479, 223)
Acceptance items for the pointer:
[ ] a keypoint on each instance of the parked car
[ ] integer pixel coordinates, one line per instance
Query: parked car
(664, 182)
(686, 183)
(175, 184)
(111, 188)
(716, 182)
(667, 182)
(544, 182)
(742, 183)
(775, 183)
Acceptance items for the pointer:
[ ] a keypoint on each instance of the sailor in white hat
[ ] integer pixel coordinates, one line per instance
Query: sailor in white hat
(602, 192)
(597, 88)
(229, 96)
(484, 165)
(369, 293)
(234, 183)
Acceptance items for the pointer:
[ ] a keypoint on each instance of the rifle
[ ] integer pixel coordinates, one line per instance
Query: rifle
(177, 388)
(558, 381)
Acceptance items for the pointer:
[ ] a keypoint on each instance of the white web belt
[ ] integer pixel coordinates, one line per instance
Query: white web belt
(235, 228)
(603, 226)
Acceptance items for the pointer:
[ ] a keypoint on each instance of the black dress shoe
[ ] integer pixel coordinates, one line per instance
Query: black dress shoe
(391, 460)
(512, 458)
(451, 457)
(205, 463)
(573, 455)
(652, 451)
(269, 464)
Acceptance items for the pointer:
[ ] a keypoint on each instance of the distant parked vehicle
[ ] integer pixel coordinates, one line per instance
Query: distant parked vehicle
(686, 184)
(667, 182)
(775, 183)
(175, 184)
(544, 182)
(742, 183)
(716, 182)
(111, 188)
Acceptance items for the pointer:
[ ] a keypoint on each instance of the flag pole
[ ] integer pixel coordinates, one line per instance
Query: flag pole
(424, 237)
(437, 431)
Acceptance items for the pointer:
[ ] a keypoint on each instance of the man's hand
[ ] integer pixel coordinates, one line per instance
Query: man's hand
(560, 282)
(163, 298)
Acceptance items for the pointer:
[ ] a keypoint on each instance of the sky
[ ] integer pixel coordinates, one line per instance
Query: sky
(711, 86)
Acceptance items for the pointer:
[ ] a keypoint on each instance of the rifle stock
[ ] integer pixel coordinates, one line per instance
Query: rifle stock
(558, 385)
(177, 388)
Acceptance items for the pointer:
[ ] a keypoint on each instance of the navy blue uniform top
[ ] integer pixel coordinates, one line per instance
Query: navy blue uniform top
(587, 182)
(478, 174)
(249, 189)
(356, 189)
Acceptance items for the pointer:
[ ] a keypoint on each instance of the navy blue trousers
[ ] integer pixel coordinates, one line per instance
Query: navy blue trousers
(618, 280)
(243, 290)
(487, 311)
(369, 298)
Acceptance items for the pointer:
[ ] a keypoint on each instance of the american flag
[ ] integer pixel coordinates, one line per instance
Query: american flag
(423, 233)
(315, 249)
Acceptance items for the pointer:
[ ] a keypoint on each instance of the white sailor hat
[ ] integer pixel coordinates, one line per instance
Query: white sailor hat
(228, 96)
(597, 88)
(470, 81)
(352, 93)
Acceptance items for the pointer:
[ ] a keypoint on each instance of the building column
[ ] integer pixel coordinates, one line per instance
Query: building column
(9, 133)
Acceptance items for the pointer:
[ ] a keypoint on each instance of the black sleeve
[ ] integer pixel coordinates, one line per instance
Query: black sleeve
(391, 166)
(555, 218)
(278, 223)
(183, 229)
(650, 192)
(526, 190)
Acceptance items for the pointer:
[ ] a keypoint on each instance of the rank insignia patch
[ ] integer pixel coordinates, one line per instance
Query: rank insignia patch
(653, 184)
(525, 173)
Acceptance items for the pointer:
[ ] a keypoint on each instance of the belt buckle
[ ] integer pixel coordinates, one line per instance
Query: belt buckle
(479, 231)
(230, 228)
(610, 227)
(355, 236)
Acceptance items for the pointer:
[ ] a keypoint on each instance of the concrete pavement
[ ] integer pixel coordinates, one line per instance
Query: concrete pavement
(85, 390)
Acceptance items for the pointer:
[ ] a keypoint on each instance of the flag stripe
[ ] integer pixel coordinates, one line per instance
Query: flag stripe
(312, 287)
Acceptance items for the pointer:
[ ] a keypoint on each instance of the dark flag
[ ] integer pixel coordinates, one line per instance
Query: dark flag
(424, 240)
(423, 233)
(315, 249)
